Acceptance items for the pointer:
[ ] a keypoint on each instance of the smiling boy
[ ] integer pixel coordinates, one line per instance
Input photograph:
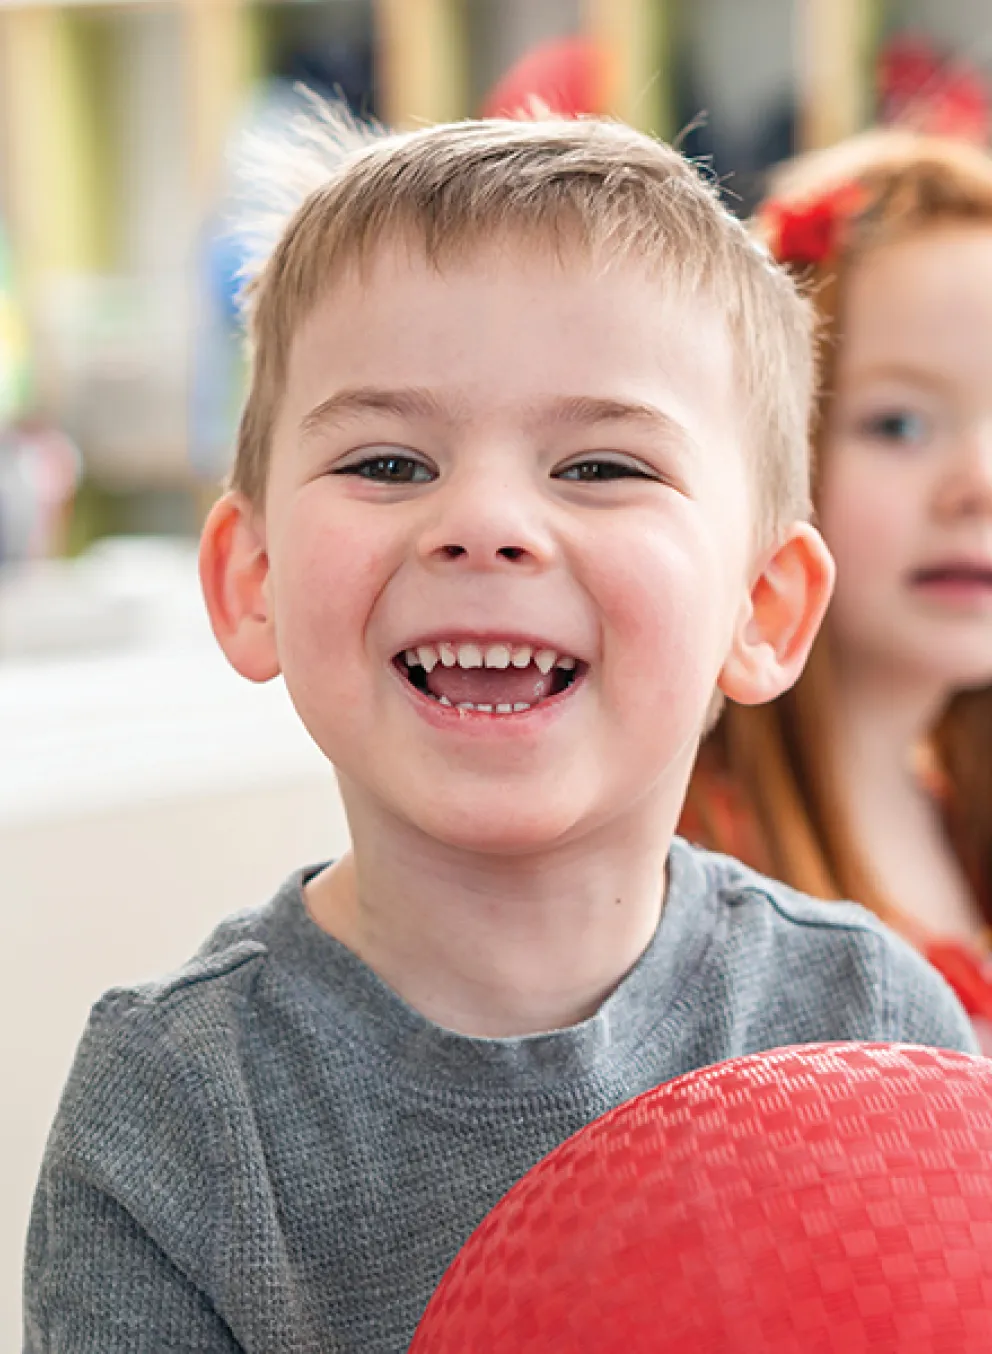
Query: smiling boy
(521, 485)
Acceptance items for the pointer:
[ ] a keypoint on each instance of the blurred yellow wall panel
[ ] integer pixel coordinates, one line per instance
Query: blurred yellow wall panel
(836, 44)
(221, 47)
(59, 159)
(420, 60)
(637, 40)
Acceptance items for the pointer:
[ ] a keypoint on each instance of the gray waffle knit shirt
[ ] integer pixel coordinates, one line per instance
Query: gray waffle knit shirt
(270, 1152)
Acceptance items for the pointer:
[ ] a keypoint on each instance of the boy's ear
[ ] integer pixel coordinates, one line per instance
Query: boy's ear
(234, 574)
(779, 622)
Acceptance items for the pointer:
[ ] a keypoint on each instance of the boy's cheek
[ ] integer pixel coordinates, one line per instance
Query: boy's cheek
(663, 667)
(319, 631)
(663, 603)
(326, 574)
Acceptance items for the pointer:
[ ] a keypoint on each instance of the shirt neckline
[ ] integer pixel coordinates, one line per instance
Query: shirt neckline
(368, 1012)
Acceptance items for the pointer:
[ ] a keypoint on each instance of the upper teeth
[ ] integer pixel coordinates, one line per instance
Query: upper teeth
(499, 655)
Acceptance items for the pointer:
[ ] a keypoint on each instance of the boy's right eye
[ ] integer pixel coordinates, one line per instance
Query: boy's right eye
(389, 468)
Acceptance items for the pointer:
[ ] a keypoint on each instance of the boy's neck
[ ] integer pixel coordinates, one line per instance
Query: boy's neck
(493, 946)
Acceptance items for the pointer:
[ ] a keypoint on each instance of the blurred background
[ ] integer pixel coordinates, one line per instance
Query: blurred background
(145, 791)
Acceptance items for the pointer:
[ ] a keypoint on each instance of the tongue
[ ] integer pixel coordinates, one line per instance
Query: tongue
(491, 686)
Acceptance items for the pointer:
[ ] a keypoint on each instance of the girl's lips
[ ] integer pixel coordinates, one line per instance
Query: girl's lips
(963, 583)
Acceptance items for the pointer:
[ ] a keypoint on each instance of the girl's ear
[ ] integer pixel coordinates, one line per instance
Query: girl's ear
(234, 574)
(780, 619)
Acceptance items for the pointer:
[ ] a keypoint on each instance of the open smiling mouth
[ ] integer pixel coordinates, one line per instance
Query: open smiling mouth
(494, 678)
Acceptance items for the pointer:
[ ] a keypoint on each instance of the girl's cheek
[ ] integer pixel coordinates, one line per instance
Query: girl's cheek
(856, 539)
(863, 512)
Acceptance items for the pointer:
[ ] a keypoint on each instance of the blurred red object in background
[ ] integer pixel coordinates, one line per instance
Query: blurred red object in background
(928, 91)
(565, 76)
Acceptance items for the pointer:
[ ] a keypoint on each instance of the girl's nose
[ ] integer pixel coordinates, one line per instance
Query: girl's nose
(966, 490)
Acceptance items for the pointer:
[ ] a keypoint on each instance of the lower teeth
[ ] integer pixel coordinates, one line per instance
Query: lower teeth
(502, 709)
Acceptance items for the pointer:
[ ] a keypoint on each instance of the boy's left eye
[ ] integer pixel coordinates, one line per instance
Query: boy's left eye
(597, 469)
(389, 468)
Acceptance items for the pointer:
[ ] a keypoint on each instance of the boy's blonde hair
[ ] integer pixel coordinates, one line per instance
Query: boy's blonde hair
(591, 186)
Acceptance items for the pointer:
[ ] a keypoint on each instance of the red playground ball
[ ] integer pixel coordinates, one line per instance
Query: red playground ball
(829, 1199)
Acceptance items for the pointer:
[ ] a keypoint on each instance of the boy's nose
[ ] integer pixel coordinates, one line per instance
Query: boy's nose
(510, 552)
(488, 526)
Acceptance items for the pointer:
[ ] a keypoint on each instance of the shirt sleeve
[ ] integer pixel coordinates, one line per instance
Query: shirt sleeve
(96, 1283)
(125, 1220)
(922, 1009)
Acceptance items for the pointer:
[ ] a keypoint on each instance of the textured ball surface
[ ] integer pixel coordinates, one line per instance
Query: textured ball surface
(829, 1199)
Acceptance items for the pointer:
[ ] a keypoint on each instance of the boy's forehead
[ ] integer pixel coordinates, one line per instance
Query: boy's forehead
(395, 306)
(399, 269)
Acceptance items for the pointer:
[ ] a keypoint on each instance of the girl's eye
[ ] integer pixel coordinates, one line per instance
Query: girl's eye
(897, 425)
(389, 469)
(591, 471)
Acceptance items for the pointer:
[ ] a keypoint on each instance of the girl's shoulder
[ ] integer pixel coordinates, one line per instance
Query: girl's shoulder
(967, 969)
(718, 815)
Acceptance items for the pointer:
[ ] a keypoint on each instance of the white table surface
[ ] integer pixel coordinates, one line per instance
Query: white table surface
(143, 796)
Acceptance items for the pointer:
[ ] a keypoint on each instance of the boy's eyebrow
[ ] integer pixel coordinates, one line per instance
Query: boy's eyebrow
(416, 402)
(590, 411)
(586, 410)
(407, 402)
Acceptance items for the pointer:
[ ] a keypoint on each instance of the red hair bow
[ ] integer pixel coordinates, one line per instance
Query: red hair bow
(810, 232)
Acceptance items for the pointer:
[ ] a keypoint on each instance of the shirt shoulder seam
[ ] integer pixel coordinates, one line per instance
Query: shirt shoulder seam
(824, 923)
(160, 993)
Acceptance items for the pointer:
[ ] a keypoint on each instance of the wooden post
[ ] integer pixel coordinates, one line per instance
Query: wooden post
(55, 189)
(635, 38)
(217, 54)
(219, 65)
(57, 177)
(420, 61)
(835, 39)
(29, 51)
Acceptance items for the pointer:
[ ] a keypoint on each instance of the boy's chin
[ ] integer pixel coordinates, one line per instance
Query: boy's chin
(495, 830)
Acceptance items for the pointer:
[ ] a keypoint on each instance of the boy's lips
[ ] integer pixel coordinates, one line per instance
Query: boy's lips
(491, 676)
